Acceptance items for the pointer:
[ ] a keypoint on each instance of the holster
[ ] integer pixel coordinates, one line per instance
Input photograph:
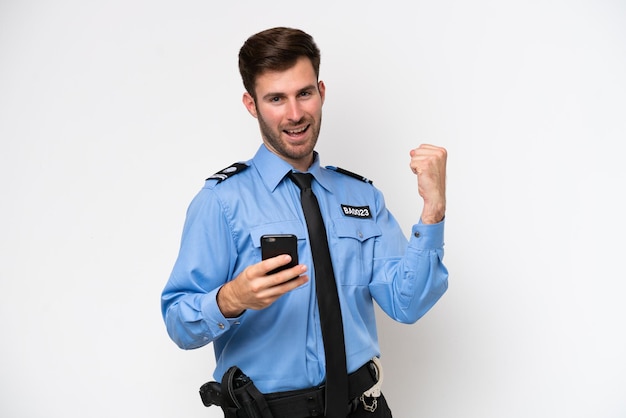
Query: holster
(237, 396)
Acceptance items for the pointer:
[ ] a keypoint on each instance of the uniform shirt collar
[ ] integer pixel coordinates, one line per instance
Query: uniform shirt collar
(273, 169)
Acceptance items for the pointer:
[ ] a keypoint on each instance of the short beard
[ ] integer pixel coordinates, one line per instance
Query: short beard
(273, 139)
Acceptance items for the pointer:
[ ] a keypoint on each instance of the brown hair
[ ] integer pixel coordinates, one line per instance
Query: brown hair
(275, 49)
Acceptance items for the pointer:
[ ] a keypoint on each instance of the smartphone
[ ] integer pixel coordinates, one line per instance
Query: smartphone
(277, 244)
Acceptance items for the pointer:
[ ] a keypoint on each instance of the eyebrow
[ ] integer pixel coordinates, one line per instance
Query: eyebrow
(277, 94)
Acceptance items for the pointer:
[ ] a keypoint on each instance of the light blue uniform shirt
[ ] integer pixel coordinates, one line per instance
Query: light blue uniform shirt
(280, 347)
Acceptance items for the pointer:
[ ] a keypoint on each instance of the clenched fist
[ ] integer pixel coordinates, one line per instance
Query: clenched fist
(428, 162)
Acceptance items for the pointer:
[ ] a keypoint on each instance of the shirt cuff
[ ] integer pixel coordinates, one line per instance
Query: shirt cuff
(216, 321)
(427, 236)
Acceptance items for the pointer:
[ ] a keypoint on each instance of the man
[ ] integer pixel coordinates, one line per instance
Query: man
(268, 325)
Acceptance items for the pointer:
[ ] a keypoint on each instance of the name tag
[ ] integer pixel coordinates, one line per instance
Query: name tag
(357, 211)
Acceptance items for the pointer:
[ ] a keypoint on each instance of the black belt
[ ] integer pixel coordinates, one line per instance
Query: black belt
(310, 402)
(304, 403)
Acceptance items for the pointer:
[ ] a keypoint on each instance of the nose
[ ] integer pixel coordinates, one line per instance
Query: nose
(294, 111)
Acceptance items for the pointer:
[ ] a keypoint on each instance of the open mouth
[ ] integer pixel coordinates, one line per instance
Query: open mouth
(296, 132)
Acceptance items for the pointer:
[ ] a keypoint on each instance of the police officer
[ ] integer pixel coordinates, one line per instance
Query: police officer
(267, 326)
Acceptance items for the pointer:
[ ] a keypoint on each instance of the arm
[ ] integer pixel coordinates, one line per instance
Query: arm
(201, 299)
(206, 258)
(407, 287)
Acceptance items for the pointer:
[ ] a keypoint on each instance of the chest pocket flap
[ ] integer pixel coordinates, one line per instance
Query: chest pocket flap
(359, 229)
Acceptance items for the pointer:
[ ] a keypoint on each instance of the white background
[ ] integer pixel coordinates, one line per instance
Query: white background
(112, 113)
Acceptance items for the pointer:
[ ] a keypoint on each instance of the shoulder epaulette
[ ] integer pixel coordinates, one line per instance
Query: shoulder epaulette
(350, 173)
(229, 171)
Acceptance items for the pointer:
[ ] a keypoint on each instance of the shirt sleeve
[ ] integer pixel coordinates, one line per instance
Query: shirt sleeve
(408, 278)
(204, 264)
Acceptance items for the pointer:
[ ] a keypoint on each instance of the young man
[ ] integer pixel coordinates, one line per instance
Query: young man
(268, 325)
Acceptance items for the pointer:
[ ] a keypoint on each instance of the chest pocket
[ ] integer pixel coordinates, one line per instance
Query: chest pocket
(353, 258)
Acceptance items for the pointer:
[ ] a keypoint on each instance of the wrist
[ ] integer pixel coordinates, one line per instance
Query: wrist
(226, 303)
(433, 213)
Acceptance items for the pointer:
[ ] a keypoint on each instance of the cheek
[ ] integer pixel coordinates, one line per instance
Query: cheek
(315, 109)
(270, 117)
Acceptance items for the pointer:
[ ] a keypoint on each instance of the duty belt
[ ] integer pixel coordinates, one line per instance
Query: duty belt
(239, 398)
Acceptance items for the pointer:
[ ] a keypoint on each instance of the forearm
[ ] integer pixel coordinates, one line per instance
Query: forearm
(408, 287)
(194, 319)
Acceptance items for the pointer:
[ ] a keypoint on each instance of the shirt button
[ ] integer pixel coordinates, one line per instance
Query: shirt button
(220, 325)
(360, 234)
(416, 234)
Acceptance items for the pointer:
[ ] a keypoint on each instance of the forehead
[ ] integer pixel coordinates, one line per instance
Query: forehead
(297, 77)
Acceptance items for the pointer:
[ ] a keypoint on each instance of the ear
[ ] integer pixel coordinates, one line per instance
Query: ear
(322, 88)
(248, 102)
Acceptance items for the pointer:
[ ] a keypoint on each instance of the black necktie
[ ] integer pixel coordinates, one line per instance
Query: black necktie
(328, 301)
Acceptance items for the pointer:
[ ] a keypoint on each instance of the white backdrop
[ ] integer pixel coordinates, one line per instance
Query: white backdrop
(112, 114)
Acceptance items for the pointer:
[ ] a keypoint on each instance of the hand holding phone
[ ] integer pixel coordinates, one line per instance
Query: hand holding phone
(242, 293)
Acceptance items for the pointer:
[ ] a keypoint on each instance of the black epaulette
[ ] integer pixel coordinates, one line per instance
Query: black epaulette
(229, 171)
(350, 173)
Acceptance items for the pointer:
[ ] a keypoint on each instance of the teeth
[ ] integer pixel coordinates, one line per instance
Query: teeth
(296, 131)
